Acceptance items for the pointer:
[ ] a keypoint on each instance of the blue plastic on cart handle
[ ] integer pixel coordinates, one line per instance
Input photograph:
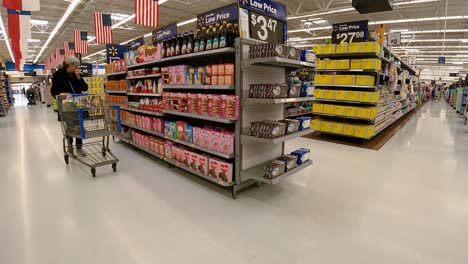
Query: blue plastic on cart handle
(119, 123)
(80, 119)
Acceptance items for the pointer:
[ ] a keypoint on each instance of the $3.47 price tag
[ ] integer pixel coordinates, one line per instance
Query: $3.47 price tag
(265, 28)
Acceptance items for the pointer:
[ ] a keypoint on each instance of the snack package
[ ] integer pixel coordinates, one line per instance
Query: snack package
(274, 169)
(180, 130)
(202, 165)
(194, 161)
(290, 160)
(186, 159)
(188, 133)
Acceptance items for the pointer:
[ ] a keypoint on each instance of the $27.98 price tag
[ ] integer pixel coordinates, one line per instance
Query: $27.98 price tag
(350, 37)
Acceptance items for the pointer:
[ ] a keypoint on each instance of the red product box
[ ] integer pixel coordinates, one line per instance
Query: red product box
(214, 70)
(214, 105)
(232, 107)
(193, 161)
(206, 138)
(202, 165)
(220, 69)
(214, 80)
(192, 103)
(221, 170)
(168, 149)
(229, 69)
(180, 130)
(202, 104)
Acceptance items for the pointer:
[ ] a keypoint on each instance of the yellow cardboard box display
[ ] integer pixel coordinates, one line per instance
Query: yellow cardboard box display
(317, 108)
(318, 93)
(329, 94)
(364, 131)
(351, 111)
(337, 128)
(370, 46)
(345, 79)
(356, 64)
(330, 64)
(342, 64)
(342, 48)
(355, 47)
(315, 124)
(353, 96)
(348, 130)
(364, 80)
(328, 48)
(341, 95)
(320, 64)
(324, 79)
(371, 64)
(329, 109)
(339, 110)
(325, 126)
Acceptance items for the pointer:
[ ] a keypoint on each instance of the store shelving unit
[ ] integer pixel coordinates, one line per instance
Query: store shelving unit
(144, 76)
(250, 153)
(116, 73)
(116, 92)
(386, 112)
(145, 94)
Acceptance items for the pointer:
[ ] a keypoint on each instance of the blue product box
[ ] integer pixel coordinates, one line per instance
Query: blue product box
(303, 155)
(188, 133)
(304, 122)
(307, 90)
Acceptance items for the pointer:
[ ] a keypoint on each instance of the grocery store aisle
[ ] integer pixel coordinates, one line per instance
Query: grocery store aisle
(406, 203)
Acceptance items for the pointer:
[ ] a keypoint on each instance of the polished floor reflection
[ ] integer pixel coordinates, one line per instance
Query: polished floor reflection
(405, 204)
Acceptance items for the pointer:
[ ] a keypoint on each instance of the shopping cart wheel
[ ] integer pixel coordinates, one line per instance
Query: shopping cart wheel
(114, 167)
(93, 171)
(66, 159)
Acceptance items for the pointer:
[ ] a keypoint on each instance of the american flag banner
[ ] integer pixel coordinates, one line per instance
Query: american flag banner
(103, 28)
(69, 48)
(147, 13)
(60, 55)
(53, 61)
(81, 42)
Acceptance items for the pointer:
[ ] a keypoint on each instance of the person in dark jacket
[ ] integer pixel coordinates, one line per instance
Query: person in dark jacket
(68, 80)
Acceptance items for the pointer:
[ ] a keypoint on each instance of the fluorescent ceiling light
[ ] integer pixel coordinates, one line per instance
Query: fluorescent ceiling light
(436, 56)
(70, 9)
(432, 47)
(342, 10)
(7, 40)
(396, 21)
(187, 22)
(119, 16)
(34, 40)
(39, 22)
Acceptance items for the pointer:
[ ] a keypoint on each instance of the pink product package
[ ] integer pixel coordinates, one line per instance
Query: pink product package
(197, 136)
(215, 140)
(220, 170)
(227, 143)
(192, 103)
(194, 161)
(168, 149)
(206, 138)
(202, 165)
(186, 157)
(202, 104)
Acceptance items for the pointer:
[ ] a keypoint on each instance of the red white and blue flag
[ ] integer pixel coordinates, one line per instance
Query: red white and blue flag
(147, 13)
(103, 28)
(69, 48)
(19, 30)
(23, 5)
(60, 55)
(81, 42)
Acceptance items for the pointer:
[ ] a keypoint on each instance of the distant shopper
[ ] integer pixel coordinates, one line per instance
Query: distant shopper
(68, 80)
(31, 95)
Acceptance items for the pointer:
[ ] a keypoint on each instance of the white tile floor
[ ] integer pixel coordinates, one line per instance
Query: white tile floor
(407, 203)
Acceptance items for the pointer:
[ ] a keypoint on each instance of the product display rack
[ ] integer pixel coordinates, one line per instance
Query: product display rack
(352, 125)
(250, 153)
(4, 94)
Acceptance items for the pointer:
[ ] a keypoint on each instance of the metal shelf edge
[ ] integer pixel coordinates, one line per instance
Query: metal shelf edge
(145, 94)
(178, 164)
(249, 174)
(277, 100)
(143, 77)
(203, 117)
(247, 138)
(142, 111)
(191, 145)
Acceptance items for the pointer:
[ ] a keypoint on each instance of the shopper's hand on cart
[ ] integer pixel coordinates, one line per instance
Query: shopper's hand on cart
(62, 96)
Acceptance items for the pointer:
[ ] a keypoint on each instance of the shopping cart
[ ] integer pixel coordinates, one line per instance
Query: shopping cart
(88, 117)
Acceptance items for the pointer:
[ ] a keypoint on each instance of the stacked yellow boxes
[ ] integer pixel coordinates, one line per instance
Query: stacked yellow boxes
(353, 130)
(342, 95)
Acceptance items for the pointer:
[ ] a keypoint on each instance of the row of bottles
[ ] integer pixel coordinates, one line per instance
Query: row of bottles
(218, 36)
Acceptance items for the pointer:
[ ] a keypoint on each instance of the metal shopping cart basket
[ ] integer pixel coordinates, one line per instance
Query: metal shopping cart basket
(88, 117)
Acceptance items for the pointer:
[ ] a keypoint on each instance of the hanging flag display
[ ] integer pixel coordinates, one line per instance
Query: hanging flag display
(60, 55)
(69, 48)
(147, 13)
(23, 5)
(19, 31)
(81, 42)
(103, 28)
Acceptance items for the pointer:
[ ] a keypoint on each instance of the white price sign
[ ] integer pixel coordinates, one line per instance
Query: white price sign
(350, 37)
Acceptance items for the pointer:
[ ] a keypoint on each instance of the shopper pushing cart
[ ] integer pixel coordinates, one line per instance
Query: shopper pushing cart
(84, 117)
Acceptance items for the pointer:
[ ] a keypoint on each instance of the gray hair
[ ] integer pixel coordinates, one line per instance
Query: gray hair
(72, 60)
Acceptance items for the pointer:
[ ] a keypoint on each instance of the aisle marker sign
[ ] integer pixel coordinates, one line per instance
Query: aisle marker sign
(263, 20)
(394, 39)
(349, 32)
(115, 52)
(164, 33)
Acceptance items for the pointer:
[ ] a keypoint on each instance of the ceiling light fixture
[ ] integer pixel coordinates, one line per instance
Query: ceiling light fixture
(39, 22)
(7, 40)
(352, 9)
(70, 9)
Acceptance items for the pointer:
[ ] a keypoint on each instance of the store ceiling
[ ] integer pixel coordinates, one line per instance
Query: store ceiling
(311, 19)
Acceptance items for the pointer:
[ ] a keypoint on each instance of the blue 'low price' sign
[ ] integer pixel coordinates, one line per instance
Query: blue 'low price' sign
(164, 33)
(441, 60)
(229, 13)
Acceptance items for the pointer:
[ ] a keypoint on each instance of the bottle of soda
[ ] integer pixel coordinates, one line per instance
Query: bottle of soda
(173, 47)
(209, 38)
(163, 50)
(178, 46)
(230, 35)
(216, 30)
(223, 35)
(202, 46)
(184, 43)
(196, 45)
(190, 42)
